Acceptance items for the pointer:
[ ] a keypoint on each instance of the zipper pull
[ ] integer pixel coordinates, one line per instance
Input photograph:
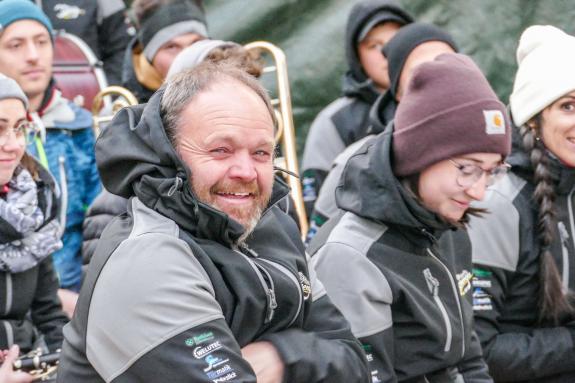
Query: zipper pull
(175, 186)
(432, 282)
(249, 251)
(272, 305)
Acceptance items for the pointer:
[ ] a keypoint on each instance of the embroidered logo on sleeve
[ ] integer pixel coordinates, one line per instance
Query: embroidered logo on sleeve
(305, 286)
(481, 300)
(494, 122)
(464, 282)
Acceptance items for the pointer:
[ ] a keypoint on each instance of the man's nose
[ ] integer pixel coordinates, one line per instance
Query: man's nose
(32, 53)
(243, 167)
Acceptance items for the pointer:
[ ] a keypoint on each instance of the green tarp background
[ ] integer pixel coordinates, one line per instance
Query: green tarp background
(311, 34)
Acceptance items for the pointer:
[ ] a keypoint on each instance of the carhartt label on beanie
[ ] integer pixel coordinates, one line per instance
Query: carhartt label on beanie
(546, 59)
(449, 109)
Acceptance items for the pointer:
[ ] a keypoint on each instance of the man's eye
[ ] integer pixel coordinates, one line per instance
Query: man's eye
(568, 106)
(468, 169)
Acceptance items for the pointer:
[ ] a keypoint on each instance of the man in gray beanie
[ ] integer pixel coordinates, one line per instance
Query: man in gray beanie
(166, 27)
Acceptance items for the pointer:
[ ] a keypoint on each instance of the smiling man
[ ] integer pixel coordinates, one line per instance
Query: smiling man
(26, 53)
(204, 279)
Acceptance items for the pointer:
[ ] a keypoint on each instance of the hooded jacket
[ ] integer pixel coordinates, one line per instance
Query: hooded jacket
(32, 315)
(129, 79)
(506, 269)
(170, 297)
(346, 119)
(406, 296)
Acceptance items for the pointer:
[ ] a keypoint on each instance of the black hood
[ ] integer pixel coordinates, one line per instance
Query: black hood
(382, 113)
(356, 83)
(135, 158)
(369, 189)
(129, 79)
(563, 176)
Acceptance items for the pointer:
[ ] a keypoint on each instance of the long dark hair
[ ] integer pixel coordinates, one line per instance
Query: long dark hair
(553, 301)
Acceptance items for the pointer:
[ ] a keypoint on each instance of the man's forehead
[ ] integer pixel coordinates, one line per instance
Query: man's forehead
(24, 29)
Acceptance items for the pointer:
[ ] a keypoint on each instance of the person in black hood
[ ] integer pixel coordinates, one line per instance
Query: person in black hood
(165, 28)
(523, 252)
(371, 24)
(204, 279)
(412, 45)
(407, 297)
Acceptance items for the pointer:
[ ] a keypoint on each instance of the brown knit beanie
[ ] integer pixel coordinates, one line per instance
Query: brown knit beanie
(449, 110)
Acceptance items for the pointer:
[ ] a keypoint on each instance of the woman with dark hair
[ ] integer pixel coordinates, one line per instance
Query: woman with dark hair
(29, 233)
(523, 252)
(407, 296)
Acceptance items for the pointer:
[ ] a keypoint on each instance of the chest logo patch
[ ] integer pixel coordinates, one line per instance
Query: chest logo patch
(464, 282)
(68, 12)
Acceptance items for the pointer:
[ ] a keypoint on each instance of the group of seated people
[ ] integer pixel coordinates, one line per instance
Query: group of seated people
(441, 241)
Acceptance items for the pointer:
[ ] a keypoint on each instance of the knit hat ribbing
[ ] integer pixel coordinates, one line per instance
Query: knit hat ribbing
(546, 58)
(169, 21)
(193, 55)
(404, 42)
(16, 10)
(9, 88)
(449, 109)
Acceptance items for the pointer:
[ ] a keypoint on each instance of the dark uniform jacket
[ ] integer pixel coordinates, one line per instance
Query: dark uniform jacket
(170, 297)
(406, 295)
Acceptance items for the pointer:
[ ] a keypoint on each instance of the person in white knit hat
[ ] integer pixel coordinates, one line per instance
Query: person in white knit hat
(524, 250)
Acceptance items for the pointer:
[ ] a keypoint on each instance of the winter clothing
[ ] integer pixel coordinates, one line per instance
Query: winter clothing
(406, 296)
(68, 151)
(541, 47)
(506, 276)
(32, 314)
(15, 10)
(205, 293)
(452, 116)
(404, 42)
(102, 24)
(346, 119)
(195, 54)
(10, 89)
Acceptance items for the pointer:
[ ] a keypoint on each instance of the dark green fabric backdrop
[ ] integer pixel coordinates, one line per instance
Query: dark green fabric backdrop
(311, 34)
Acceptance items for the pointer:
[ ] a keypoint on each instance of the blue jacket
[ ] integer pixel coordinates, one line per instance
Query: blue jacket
(68, 152)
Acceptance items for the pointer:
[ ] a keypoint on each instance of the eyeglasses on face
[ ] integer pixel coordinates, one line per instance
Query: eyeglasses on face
(469, 174)
(24, 132)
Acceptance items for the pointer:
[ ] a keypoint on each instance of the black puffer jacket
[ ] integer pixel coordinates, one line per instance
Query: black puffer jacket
(31, 313)
(406, 293)
(171, 297)
(506, 285)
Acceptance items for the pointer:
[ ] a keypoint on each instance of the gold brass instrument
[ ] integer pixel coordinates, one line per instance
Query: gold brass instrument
(286, 129)
(101, 100)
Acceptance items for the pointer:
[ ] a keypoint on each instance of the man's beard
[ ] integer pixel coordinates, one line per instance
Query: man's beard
(248, 215)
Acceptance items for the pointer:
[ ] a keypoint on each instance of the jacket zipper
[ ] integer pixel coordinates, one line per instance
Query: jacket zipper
(64, 187)
(294, 280)
(565, 254)
(269, 289)
(433, 285)
(9, 293)
(456, 293)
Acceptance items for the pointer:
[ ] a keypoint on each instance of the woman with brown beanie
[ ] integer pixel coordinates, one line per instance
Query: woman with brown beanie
(523, 252)
(407, 296)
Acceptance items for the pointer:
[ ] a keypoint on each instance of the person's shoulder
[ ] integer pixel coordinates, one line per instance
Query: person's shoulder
(334, 107)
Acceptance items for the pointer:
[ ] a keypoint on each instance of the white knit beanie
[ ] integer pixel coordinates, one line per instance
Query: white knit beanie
(546, 59)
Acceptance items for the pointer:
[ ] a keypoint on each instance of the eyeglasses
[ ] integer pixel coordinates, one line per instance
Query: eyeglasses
(25, 131)
(469, 174)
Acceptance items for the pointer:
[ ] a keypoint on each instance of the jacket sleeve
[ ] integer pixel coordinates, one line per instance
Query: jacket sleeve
(91, 177)
(46, 309)
(473, 367)
(104, 208)
(323, 144)
(113, 37)
(361, 292)
(156, 319)
(500, 247)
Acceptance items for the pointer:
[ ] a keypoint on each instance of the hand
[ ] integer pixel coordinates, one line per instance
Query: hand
(68, 299)
(7, 374)
(265, 361)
